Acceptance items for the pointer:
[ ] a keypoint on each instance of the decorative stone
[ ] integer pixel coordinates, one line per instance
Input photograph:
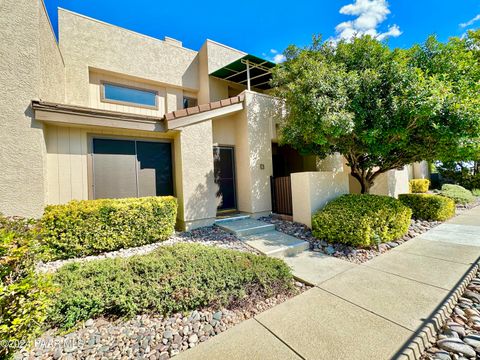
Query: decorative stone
(167, 334)
(217, 315)
(472, 340)
(330, 250)
(457, 346)
(193, 338)
(89, 323)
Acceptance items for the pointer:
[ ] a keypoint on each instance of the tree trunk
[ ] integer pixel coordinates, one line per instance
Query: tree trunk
(365, 183)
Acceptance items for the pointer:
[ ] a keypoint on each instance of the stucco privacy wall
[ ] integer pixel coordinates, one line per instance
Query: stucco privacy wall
(195, 162)
(87, 43)
(260, 114)
(313, 190)
(421, 170)
(30, 67)
(391, 183)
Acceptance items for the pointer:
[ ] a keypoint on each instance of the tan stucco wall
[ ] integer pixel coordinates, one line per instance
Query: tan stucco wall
(421, 170)
(313, 190)
(30, 68)
(259, 134)
(95, 100)
(88, 43)
(391, 183)
(195, 163)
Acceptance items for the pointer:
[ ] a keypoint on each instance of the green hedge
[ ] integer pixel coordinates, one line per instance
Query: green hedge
(24, 295)
(361, 220)
(429, 206)
(90, 227)
(419, 185)
(457, 193)
(173, 278)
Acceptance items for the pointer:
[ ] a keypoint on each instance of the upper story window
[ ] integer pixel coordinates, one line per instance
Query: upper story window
(189, 102)
(121, 94)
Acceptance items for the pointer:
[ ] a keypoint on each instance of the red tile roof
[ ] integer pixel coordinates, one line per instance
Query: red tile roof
(204, 107)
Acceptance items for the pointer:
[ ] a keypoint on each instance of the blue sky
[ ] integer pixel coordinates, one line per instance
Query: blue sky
(266, 28)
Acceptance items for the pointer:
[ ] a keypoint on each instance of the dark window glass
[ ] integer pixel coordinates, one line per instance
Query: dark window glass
(130, 95)
(129, 168)
(189, 102)
(155, 168)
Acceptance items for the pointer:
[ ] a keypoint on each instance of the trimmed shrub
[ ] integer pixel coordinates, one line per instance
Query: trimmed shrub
(457, 193)
(419, 185)
(90, 227)
(476, 192)
(24, 296)
(361, 220)
(173, 278)
(429, 206)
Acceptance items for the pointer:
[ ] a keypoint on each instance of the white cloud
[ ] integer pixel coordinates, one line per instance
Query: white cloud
(370, 14)
(275, 56)
(279, 58)
(470, 22)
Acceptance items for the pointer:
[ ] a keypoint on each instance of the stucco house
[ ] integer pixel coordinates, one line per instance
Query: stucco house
(107, 112)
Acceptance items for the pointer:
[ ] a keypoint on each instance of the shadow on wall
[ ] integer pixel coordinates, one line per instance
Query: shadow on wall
(199, 206)
(260, 117)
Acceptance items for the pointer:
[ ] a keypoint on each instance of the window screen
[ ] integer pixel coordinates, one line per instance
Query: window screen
(129, 168)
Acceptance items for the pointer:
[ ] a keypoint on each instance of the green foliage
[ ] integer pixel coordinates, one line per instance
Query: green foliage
(380, 108)
(456, 62)
(174, 278)
(476, 192)
(419, 185)
(457, 193)
(90, 227)
(429, 206)
(24, 296)
(358, 220)
(465, 174)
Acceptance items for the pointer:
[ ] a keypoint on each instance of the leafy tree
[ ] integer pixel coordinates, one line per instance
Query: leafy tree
(378, 107)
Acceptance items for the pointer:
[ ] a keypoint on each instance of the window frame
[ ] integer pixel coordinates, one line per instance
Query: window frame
(94, 135)
(127, 103)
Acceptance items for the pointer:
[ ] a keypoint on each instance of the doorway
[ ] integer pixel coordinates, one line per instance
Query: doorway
(224, 173)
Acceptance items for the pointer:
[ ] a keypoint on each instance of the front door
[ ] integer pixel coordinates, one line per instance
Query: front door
(224, 171)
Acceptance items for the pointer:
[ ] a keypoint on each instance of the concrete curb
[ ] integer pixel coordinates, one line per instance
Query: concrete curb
(423, 338)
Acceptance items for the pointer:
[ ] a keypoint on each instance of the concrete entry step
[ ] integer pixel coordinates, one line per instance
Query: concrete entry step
(245, 227)
(276, 244)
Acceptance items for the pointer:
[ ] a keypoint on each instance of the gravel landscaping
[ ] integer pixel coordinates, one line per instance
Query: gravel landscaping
(211, 236)
(460, 336)
(146, 337)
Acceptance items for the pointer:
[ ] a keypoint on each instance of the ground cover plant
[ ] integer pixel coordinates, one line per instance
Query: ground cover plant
(173, 278)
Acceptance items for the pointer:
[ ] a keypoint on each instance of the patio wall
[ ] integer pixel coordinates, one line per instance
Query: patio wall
(313, 190)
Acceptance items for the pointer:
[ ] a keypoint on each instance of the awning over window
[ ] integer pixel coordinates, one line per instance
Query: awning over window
(249, 70)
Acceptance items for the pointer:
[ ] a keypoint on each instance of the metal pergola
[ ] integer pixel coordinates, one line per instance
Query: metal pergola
(249, 70)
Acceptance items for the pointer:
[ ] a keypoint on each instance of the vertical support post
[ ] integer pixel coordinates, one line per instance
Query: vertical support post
(248, 75)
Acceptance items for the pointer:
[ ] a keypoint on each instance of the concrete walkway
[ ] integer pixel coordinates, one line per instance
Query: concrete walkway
(367, 311)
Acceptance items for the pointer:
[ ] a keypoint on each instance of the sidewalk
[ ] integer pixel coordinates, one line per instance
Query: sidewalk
(367, 311)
